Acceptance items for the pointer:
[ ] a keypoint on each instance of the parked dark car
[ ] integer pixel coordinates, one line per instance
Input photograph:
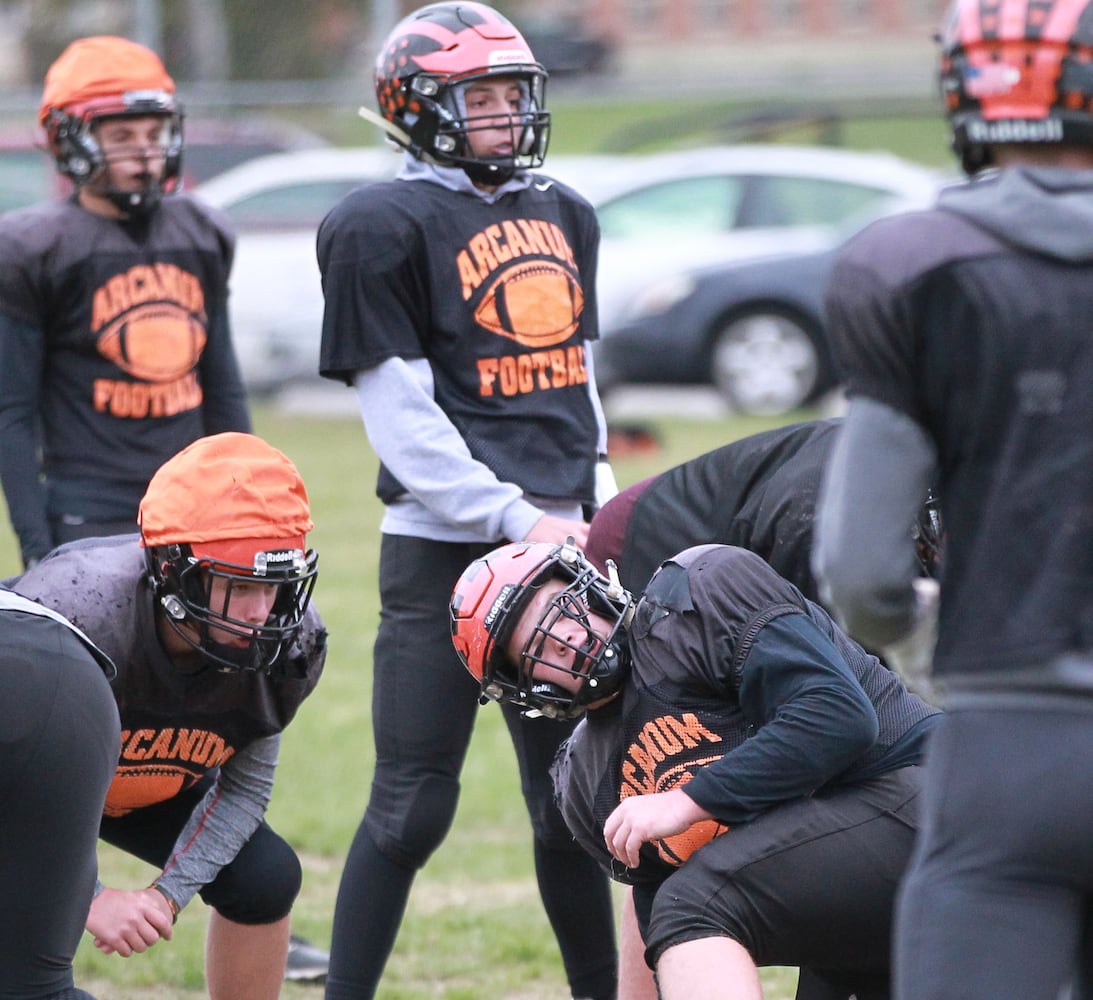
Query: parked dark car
(754, 329)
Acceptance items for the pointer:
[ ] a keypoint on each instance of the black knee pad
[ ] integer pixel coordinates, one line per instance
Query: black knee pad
(260, 885)
(407, 828)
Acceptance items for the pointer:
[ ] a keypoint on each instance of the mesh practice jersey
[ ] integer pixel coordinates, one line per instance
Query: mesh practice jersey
(499, 298)
(114, 353)
(176, 726)
(743, 690)
(973, 320)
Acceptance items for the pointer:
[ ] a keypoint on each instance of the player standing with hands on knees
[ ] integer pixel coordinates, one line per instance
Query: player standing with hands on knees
(460, 300)
(965, 339)
(115, 349)
(207, 615)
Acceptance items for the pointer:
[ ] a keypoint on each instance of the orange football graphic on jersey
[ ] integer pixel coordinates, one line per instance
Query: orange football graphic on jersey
(680, 846)
(536, 303)
(157, 342)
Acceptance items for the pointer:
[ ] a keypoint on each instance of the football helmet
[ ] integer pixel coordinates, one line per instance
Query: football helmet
(225, 513)
(421, 75)
(106, 77)
(1017, 72)
(489, 600)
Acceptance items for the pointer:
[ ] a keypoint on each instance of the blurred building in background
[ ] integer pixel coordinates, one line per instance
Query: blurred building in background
(210, 40)
(639, 21)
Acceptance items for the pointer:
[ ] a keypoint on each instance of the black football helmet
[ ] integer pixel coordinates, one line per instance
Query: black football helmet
(421, 73)
(928, 534)
(183, 584)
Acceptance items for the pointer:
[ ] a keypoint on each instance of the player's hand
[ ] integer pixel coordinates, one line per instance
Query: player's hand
(557, 530)
(126, 922)
(641, 818)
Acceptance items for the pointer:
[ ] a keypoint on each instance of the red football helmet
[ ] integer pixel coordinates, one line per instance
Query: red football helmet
(1017, 71)
(107, 77)
(488, 601)
(419, 78)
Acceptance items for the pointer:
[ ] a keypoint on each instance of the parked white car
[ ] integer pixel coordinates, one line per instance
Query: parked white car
(276, 204)
(660, 214)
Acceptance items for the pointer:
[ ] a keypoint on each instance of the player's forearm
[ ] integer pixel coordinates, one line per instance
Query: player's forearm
(222, 822)
(863, 555)
(422, 449)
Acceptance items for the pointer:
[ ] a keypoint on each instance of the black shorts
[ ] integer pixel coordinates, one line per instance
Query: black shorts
(811, 883)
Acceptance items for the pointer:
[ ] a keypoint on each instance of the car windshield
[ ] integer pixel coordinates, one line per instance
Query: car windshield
(697, 206)
(290, 206)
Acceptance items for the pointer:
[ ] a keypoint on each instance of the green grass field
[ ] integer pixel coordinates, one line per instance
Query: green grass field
(475, 929)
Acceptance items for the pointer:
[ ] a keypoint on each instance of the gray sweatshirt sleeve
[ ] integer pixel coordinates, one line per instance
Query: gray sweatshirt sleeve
(863, 552)
(421, 447)
(223, 821)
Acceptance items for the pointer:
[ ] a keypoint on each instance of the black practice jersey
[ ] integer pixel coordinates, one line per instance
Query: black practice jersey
(499, 298)
(176, 727)
(758, 493)
(114, 352)
(745, 691)
(974, 321)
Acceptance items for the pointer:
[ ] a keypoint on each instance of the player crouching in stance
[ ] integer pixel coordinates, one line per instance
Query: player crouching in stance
(207, 616)
(722, 701)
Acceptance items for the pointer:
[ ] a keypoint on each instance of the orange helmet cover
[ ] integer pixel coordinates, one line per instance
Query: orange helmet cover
(101, 66)
(227, 496)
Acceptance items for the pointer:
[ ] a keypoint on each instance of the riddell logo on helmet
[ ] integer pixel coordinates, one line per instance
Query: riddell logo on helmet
(1019, 130)
(266, 562)
(498, 604)
(507, 57)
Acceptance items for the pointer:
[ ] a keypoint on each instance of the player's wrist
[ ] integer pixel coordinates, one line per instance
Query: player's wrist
(174, 907)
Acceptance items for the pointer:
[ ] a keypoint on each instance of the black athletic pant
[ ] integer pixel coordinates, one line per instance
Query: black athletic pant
(811, 883)
(424, 705)
(59, 742)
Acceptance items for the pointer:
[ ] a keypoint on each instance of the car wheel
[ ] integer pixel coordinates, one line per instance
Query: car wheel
(765, 363)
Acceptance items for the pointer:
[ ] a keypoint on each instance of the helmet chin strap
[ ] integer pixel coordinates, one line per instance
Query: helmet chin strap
(136, 204)
(489, 173)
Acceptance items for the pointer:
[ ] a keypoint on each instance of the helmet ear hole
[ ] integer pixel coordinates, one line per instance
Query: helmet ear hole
(75, 152)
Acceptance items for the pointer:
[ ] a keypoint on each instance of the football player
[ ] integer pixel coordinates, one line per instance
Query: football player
(729, 725)
(759, 493)
(115, 350)
(964, 334)
(459, 304)
(57, 756)
(207, 615)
